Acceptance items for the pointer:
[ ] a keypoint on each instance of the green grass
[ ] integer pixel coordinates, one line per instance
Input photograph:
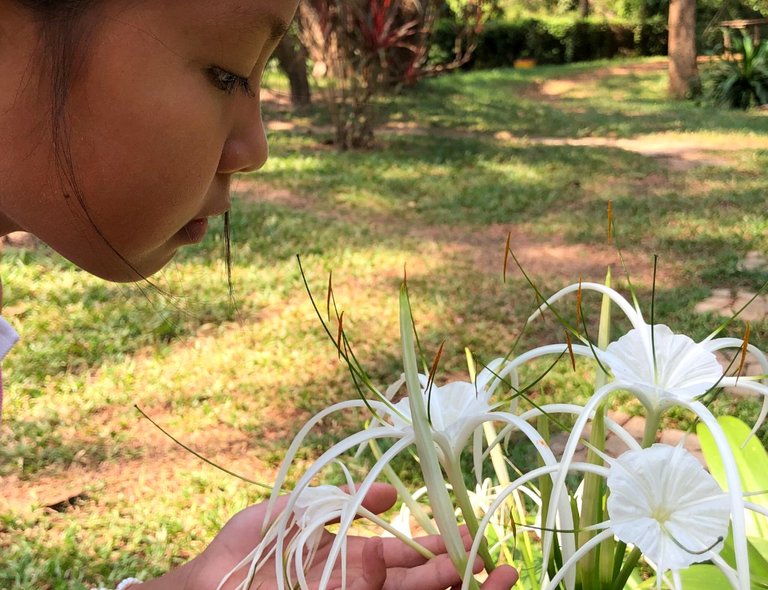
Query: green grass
(235, 383)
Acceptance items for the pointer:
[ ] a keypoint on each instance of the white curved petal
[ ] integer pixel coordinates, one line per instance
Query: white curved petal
(682, 369)
(661, 498)
(633, 315)
(451, 407)
(315, 503)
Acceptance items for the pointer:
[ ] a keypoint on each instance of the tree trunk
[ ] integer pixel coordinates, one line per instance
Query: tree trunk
(683, 72)
(583, 8)
(292, 57)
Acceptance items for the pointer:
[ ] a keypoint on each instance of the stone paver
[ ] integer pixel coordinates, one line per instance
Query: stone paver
(754, 261)
(726, 302)
(732, 359)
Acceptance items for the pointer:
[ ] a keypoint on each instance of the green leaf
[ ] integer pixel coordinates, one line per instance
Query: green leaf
(442, 507)
(751, 460)
(703, 577)
(758, 566)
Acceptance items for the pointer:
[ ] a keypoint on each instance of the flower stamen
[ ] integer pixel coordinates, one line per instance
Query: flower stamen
(674, 539)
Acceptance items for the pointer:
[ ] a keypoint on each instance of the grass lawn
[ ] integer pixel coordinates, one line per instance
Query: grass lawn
(90, 492)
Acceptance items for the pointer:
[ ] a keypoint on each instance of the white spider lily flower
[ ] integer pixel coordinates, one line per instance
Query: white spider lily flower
(450, 408)
(661, 367)
(402, 520)
(483, 496)
(455, 410)
(663, 502)
(319, 504)
(300, 528)
(482, 499)
(313, 509)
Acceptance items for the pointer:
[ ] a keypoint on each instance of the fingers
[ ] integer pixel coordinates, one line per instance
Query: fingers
(502, 578)
(398, 554)
(439, 573)
(374, 571)
(436, 574)
(380, 498)
(408, 569)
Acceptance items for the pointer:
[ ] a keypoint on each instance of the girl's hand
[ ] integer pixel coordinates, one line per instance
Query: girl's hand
(372, 563)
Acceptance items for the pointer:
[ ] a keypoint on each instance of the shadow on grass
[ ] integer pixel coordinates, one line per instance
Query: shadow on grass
(441, 180)
(615, 105)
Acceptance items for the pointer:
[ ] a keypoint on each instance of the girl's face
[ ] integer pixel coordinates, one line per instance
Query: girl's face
(162, 111)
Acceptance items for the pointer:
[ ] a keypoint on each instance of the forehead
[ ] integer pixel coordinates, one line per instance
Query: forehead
(264, 16)
(270, 16)
(226, 22)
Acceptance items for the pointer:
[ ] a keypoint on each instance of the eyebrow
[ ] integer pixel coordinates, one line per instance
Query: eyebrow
(274, 23)
(277, 27)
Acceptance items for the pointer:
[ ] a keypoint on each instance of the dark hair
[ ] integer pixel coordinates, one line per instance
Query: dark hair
(65, 27)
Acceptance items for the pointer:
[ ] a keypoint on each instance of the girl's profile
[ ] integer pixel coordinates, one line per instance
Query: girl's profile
(122, 124)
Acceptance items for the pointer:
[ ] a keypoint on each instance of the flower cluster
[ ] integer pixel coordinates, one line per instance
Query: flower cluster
(654, 502)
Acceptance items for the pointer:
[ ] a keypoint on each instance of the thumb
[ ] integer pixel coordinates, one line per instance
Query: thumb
(374, 569)
(502, 578)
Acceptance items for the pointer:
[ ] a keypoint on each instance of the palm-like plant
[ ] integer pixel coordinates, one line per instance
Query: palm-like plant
(740, 80)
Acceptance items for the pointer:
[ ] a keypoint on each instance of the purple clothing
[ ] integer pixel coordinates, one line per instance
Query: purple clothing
(8, 338)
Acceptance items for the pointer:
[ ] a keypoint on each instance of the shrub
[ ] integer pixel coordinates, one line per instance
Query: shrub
(555, 40)
(740, 79)
(652, 36)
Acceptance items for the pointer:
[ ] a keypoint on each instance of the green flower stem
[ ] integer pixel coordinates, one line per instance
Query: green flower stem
(618, 557)
(545, 488)
(442, 508)
(652, 420)
(527, 552)
(626, 571)
(596, 568)
(456, 479)
(377, 520)
(497, 455)
(592, 505)
(416, 510)
(517, 509)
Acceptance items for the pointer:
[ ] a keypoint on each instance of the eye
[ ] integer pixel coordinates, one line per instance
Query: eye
(229, 82)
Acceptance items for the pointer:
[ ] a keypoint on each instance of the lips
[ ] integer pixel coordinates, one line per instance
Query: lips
(195, 230)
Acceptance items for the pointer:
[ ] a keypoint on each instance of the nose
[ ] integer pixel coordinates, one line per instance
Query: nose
(246, 149)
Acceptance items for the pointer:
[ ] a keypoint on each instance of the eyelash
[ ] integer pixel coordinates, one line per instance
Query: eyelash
(229, 82)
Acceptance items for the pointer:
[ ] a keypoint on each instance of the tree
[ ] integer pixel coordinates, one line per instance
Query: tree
(363, 48)
(683, 72)
(292, 57)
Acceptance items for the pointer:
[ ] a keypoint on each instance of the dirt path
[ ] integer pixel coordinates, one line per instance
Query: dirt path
(678, 153)
(556, 88)
(548, 257)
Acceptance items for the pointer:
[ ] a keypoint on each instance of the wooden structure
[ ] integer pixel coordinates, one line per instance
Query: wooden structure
(751, 25)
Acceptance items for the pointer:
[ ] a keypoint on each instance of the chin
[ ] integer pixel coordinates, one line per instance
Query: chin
(119, 270)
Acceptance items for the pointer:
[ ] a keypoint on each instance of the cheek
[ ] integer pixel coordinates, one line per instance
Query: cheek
(146, 148)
